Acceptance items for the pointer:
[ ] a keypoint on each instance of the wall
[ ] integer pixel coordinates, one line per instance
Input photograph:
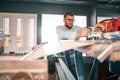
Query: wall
(108, 12)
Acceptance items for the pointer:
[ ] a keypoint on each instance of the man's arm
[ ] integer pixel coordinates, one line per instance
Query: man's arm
(72, 35)
(99, 27)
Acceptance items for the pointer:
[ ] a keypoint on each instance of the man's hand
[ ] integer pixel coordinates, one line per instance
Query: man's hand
(99, 27)
(82, 33)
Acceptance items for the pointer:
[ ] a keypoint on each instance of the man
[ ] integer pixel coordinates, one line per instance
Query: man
(68, 31)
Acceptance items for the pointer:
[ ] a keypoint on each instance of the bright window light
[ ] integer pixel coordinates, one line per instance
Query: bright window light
(51, 21)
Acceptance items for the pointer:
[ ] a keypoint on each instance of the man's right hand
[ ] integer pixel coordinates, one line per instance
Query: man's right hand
(82, 33)
(99, 27)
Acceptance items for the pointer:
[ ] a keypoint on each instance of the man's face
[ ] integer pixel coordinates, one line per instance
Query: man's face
(68, 21)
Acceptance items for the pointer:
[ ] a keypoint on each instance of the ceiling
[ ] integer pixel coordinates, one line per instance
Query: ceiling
(109, 3)
(99, 3)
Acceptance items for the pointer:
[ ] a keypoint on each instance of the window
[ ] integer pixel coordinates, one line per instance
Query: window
(50, 21)
(19, 40)
(6, 30)
(6, 24)
(31, 32)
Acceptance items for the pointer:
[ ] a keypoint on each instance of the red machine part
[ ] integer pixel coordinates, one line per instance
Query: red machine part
(111, 25)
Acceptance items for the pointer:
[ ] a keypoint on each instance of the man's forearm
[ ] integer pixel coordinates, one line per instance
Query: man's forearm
(82, 33)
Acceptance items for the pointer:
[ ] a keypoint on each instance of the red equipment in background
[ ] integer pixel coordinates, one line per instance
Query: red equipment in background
(111, 25)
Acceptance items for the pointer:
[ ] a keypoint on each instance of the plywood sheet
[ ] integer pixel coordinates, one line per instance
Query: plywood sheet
(55, 48)
(23, 66)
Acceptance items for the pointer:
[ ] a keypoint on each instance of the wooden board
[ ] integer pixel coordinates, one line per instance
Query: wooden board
(55, 48)
(23, 70)
(115, 56)
(97, 49)
(91, 48)
(10, 57)
(25, 66)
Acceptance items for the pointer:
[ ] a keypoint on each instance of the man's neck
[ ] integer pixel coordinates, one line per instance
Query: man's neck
(67, 27)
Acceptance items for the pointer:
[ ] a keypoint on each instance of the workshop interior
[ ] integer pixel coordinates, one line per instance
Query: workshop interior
(30, 49)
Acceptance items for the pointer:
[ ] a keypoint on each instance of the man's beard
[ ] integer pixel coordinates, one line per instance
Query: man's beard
(68, 26)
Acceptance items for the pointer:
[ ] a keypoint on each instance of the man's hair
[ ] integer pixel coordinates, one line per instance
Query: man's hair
(68, 14)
